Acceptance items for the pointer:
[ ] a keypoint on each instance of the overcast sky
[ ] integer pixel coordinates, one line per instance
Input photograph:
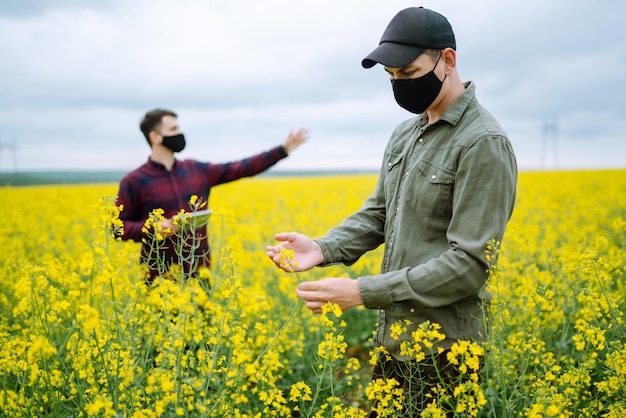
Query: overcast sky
(77, 76)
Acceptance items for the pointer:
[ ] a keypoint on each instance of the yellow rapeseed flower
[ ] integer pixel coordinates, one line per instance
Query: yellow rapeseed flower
(300, 391)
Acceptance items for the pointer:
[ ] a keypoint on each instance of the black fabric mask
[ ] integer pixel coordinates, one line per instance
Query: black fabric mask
(416, 94)
(176, 143)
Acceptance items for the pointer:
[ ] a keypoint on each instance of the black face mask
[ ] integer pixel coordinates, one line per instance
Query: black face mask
(176, 143)
(416, 94)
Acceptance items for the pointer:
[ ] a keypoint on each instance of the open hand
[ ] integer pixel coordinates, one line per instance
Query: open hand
(306, 252)
(295, 139)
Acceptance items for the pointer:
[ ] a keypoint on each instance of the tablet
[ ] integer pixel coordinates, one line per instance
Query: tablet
(197, 219)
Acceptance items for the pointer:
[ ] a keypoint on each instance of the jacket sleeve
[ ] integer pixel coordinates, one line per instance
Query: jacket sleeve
(226, 172)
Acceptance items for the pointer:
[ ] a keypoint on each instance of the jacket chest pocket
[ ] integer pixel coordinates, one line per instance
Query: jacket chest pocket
(429, 189)
(392, 176)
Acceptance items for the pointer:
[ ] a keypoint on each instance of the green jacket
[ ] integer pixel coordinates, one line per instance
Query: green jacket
(443, 192)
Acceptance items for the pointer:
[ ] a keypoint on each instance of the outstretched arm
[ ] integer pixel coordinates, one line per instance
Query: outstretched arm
(251, 166)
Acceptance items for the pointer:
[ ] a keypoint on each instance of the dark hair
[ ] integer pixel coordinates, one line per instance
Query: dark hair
(433, 53)
(152, 120)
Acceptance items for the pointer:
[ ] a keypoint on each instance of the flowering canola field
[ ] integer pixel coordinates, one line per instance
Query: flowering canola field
(82, 335)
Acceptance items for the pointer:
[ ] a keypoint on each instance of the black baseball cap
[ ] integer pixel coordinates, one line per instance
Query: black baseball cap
(409, 33)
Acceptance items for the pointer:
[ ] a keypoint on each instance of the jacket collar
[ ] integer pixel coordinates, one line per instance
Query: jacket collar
(455, 111)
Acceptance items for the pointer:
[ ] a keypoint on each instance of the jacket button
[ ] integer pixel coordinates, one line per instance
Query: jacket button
(412, 310)
(434, 176)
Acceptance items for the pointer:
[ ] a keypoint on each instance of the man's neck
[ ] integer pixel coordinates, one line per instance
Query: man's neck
(455, 89)
(163, 156)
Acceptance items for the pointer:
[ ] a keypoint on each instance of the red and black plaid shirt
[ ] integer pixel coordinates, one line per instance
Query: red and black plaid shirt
(152, 186)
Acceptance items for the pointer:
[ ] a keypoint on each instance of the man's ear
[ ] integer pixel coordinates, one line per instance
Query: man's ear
(154, 136)
(449, 58)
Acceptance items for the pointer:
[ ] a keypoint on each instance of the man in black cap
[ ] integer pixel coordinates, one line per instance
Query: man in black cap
(446, 188)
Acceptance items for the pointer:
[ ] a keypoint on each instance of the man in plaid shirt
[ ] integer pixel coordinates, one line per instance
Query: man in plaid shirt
(167, 183)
